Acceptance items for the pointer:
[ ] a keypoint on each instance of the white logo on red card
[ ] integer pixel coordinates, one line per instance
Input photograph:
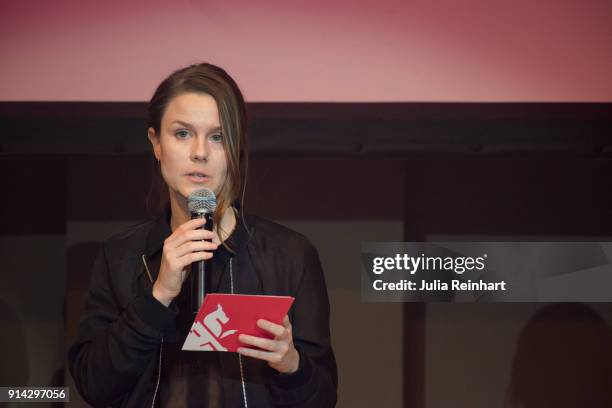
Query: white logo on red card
(206, 333)
(223, 316)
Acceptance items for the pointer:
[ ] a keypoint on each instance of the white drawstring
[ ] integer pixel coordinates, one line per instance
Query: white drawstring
(161, 346)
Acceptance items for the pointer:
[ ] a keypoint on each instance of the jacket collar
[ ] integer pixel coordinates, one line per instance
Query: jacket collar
(160, 231)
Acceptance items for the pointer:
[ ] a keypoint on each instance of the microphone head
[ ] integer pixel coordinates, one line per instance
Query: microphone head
(202, 201)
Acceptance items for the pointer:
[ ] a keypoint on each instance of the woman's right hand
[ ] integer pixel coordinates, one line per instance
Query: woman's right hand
(181, 249)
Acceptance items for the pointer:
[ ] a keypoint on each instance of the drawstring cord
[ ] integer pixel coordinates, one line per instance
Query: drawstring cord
(161, 346)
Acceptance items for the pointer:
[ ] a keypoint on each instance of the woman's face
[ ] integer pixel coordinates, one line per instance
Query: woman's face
(190, 145)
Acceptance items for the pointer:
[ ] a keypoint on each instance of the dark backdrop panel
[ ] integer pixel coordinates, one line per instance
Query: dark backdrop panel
(538, 196)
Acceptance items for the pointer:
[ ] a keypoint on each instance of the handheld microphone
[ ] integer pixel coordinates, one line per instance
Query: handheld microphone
(201, 204)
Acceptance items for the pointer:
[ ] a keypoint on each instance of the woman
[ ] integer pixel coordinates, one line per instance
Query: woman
(128, 351)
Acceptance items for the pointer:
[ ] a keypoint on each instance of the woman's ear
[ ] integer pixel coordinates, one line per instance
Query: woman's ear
(154, 139)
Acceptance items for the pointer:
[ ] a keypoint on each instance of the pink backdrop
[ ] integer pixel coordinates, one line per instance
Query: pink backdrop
(383, 50)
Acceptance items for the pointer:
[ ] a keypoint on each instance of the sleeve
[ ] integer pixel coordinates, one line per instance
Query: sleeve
(115, 345)
(315, 382)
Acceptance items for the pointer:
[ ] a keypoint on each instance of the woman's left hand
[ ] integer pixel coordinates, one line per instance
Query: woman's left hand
(279, 352)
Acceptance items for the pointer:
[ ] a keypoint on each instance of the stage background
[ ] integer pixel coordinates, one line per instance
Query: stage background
(384, 121)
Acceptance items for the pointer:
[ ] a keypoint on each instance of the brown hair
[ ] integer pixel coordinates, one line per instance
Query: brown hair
(214, 81)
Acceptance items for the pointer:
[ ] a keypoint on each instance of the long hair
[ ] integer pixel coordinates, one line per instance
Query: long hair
(208, 79)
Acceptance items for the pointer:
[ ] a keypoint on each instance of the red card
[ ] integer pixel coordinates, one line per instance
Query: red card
(222, 317)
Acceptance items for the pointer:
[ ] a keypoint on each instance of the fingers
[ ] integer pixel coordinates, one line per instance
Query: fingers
(193, 246)
(272, 351)
(198, 235)
(188, 259)
(282, 336)
(192, 224)
(280, 353)
(261, 342)
(270, 357)
(276, 329)
(191, 257)
(186, 239)
(183, 234)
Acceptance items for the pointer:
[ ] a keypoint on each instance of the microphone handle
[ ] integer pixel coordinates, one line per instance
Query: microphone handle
(200, 271)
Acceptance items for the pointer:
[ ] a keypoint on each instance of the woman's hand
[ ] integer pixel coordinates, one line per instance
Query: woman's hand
(181, 249)
(280, 353)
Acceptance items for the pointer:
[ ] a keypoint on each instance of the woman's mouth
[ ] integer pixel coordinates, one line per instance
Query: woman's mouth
(198, 177)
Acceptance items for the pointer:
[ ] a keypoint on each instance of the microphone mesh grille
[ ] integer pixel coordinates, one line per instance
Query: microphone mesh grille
(202, 201)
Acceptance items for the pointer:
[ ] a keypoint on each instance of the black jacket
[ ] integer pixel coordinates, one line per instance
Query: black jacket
(116, 358)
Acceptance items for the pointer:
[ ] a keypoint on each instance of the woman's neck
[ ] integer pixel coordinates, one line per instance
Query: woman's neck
(180, 215)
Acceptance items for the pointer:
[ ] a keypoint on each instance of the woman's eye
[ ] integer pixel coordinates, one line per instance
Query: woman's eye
(217, 137)
(182, 134)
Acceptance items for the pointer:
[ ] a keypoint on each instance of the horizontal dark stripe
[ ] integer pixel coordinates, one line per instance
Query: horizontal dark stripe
(400, 130)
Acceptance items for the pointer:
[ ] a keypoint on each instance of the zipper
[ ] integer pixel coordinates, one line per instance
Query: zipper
(244, 397)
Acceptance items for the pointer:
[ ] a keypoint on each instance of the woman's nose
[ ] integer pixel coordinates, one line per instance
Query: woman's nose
(199, 150)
